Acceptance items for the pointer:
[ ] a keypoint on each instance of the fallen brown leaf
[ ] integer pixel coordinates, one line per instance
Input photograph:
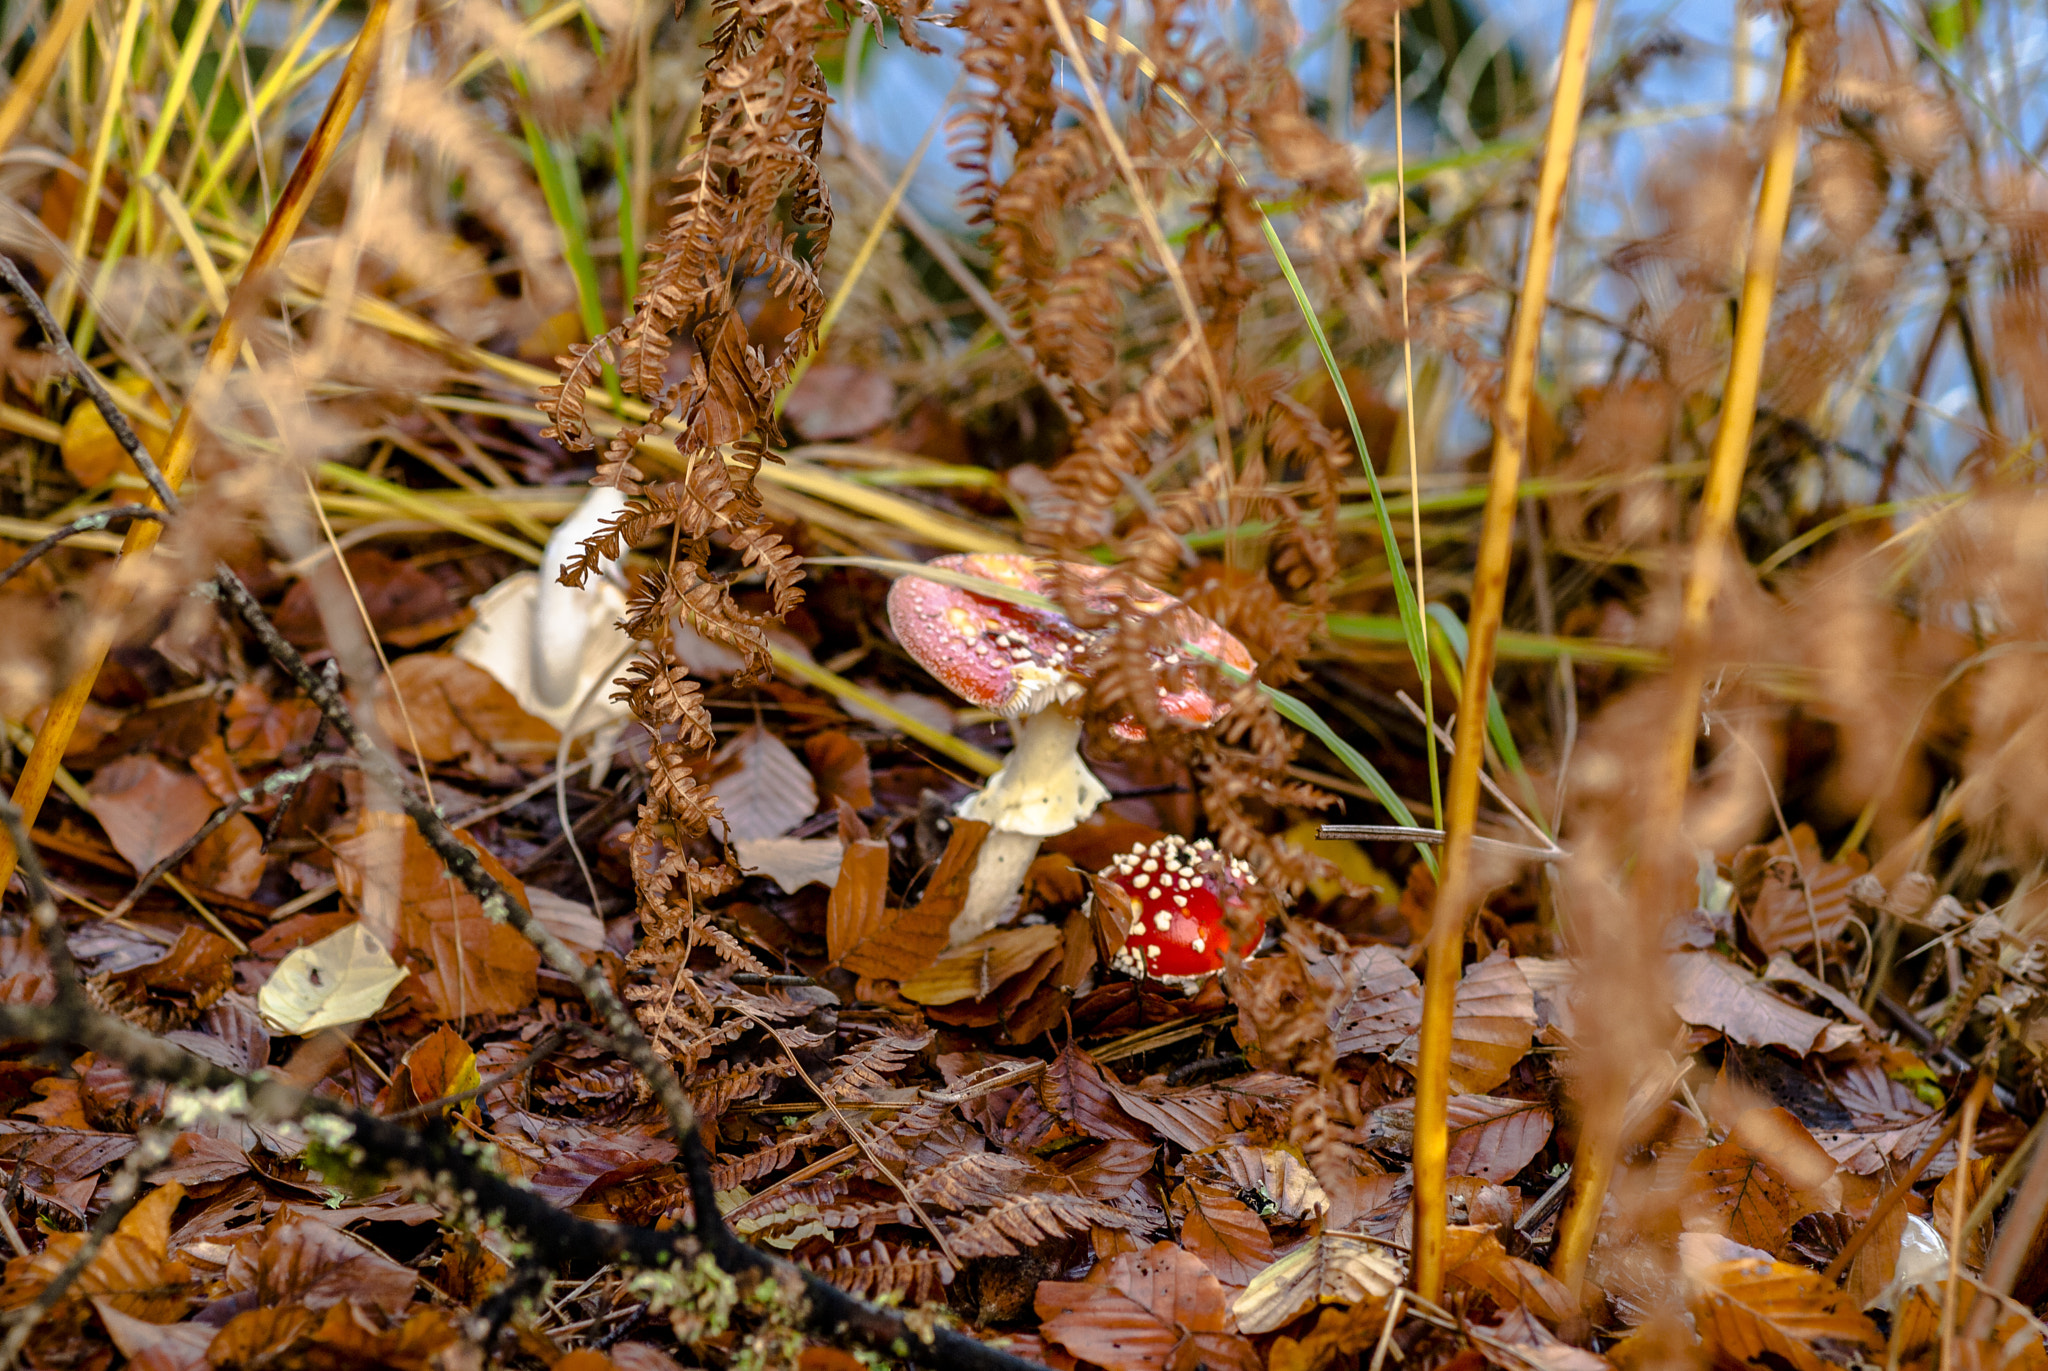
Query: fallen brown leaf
(465, 962)
(1135, 1311)
(148, 810)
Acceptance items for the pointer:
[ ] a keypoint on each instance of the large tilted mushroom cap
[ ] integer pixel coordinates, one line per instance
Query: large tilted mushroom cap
(1181, 896)
(1015, 659)
(1011, 659)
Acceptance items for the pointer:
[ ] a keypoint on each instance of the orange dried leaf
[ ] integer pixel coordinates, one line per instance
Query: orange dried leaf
(902, 942)
(1490, 1137)
(148, 810)
(465, 962)
(840, 765)
(1713, 992)
(230, 859)
(1492, 1027)
(1073, 1087)
(459, 712)
(1220, 1229)
(1731, 1190)
(132, 1272)
(1474, 1257)
(855, 912)
(1749, 1310)
(1135, 1312)
(974, 972)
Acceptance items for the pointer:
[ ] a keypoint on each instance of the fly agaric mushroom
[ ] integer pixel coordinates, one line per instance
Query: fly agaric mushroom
(1029, 665)
(1182, 898)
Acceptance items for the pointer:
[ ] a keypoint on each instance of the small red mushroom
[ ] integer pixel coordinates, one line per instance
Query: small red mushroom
(1182, 895)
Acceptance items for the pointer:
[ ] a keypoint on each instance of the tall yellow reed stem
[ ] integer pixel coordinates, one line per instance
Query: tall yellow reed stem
(1661, 863)
(1489, 593)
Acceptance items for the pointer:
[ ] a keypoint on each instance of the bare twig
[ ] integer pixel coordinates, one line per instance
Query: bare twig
(95, 522)
(95, 388)
(287, 780)
(330, 671)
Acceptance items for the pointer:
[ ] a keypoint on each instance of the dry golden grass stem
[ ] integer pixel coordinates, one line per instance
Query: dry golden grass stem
(41, 65)
(1489, 595)
(47, 756)
(1967, 1139)
(1660, 861)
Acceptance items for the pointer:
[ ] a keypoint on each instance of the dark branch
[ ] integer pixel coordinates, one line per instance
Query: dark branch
(95, 388)
(84, 523)
(287, 780)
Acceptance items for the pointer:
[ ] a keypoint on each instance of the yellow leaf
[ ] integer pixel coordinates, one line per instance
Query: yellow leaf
(342, 979)
(90, 451)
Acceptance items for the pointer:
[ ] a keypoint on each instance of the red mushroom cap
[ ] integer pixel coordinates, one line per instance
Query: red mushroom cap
(1181, 894)
(1013, 659)
(1003, 657)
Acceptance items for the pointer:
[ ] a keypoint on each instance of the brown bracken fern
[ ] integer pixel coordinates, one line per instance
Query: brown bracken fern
(750, 212)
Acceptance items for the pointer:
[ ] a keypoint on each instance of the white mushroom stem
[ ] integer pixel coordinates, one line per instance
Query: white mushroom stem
(1044, 788)
(561, 614)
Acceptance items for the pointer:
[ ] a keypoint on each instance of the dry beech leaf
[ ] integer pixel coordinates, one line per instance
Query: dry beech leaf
(1778, 1136)
(344, 978)
(791, 863)
(156, 1346)
(1490, 1137)
(1774, 908)
(1075, 1088)
(1712, 992)
(1218, 1227)
(1330, 1268)
(1110, 1172)
(307, 1262)
(458, 712)
(1137, 1310)
(1731, 1190)
(1473, 1256)
(1748, 1309)
(148, 810)
(259, 1337)
(860, 896)
(761, 786)
(1341, 1336)
(1492, 1028)
(1277, 1185)
(1536, 1348)
(132, 1272)
(1382, 1005)
(466, 962)
(230, 859)
(869, 939)
(974, 971)
(1972, 1178)
(406, 605)
(593, 1162)
(2015, 1343)
(439, 1065)
(840, 765)
(171, 990)
(1192, 1117)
